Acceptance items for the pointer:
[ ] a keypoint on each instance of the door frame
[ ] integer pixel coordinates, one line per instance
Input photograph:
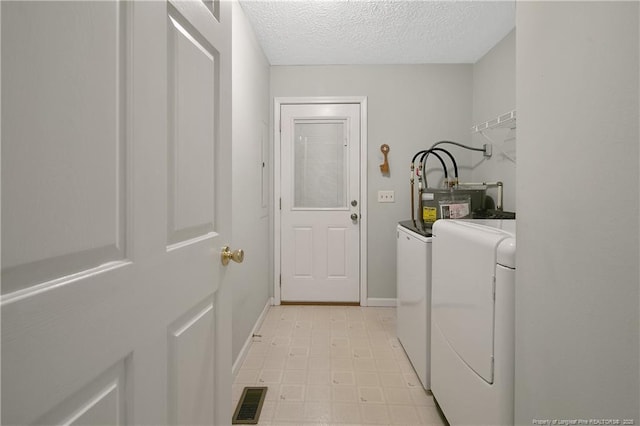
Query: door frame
(277, 179)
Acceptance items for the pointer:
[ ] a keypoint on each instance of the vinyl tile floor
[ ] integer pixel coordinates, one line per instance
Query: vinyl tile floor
(334, 365)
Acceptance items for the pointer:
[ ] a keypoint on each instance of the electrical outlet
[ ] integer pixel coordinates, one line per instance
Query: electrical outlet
(386, 197)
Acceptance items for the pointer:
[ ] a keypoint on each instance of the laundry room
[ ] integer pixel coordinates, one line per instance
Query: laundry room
(238, 211)
(412, 106)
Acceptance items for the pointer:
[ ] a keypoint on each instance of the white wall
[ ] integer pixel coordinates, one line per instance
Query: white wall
(251, 281)
(577, 324)
(410, 108)
(494, 93)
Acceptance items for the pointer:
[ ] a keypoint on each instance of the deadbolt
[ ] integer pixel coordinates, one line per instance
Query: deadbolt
(354, 203)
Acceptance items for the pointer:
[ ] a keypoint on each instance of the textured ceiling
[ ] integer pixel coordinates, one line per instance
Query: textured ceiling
(304, 32)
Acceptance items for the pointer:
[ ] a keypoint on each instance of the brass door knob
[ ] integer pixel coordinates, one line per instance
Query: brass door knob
(227, 255)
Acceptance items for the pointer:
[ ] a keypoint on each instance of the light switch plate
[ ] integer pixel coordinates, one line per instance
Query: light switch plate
(386, 197)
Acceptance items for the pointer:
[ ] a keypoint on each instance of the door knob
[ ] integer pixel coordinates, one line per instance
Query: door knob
(354, 216)
(227, 255)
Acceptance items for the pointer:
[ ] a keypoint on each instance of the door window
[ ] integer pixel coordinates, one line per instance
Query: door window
(320, 164)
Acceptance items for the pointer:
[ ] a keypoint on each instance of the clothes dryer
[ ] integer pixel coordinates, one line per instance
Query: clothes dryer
(472, 345)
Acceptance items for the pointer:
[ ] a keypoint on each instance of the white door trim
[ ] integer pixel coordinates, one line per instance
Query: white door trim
(277, 244)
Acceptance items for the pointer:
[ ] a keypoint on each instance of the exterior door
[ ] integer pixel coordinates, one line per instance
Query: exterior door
(320, 211)
(115, 149)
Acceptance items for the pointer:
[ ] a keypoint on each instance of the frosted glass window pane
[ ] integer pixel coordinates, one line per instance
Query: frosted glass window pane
(320, 165)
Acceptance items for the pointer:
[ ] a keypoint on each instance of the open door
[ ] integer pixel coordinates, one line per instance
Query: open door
(116, 145)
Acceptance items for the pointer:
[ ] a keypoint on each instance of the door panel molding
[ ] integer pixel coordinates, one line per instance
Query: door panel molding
(303, 263)
(191, 342)
(190, 201)
(337, 248)
(81, 147)
(278, 102)
(102, 400)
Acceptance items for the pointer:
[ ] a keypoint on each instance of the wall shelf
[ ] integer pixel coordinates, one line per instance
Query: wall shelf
(504, 121)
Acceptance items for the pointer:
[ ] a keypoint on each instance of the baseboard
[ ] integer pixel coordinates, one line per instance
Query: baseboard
(381, 302)
(247, 344)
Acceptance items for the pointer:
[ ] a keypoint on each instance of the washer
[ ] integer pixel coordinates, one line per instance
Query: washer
(414, 296)
(472, 345)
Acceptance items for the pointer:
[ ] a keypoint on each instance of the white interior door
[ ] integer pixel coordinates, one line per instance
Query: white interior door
(115, 146)
(320, 210)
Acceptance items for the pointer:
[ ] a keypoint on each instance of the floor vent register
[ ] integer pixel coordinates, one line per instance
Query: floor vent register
(249, 406)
